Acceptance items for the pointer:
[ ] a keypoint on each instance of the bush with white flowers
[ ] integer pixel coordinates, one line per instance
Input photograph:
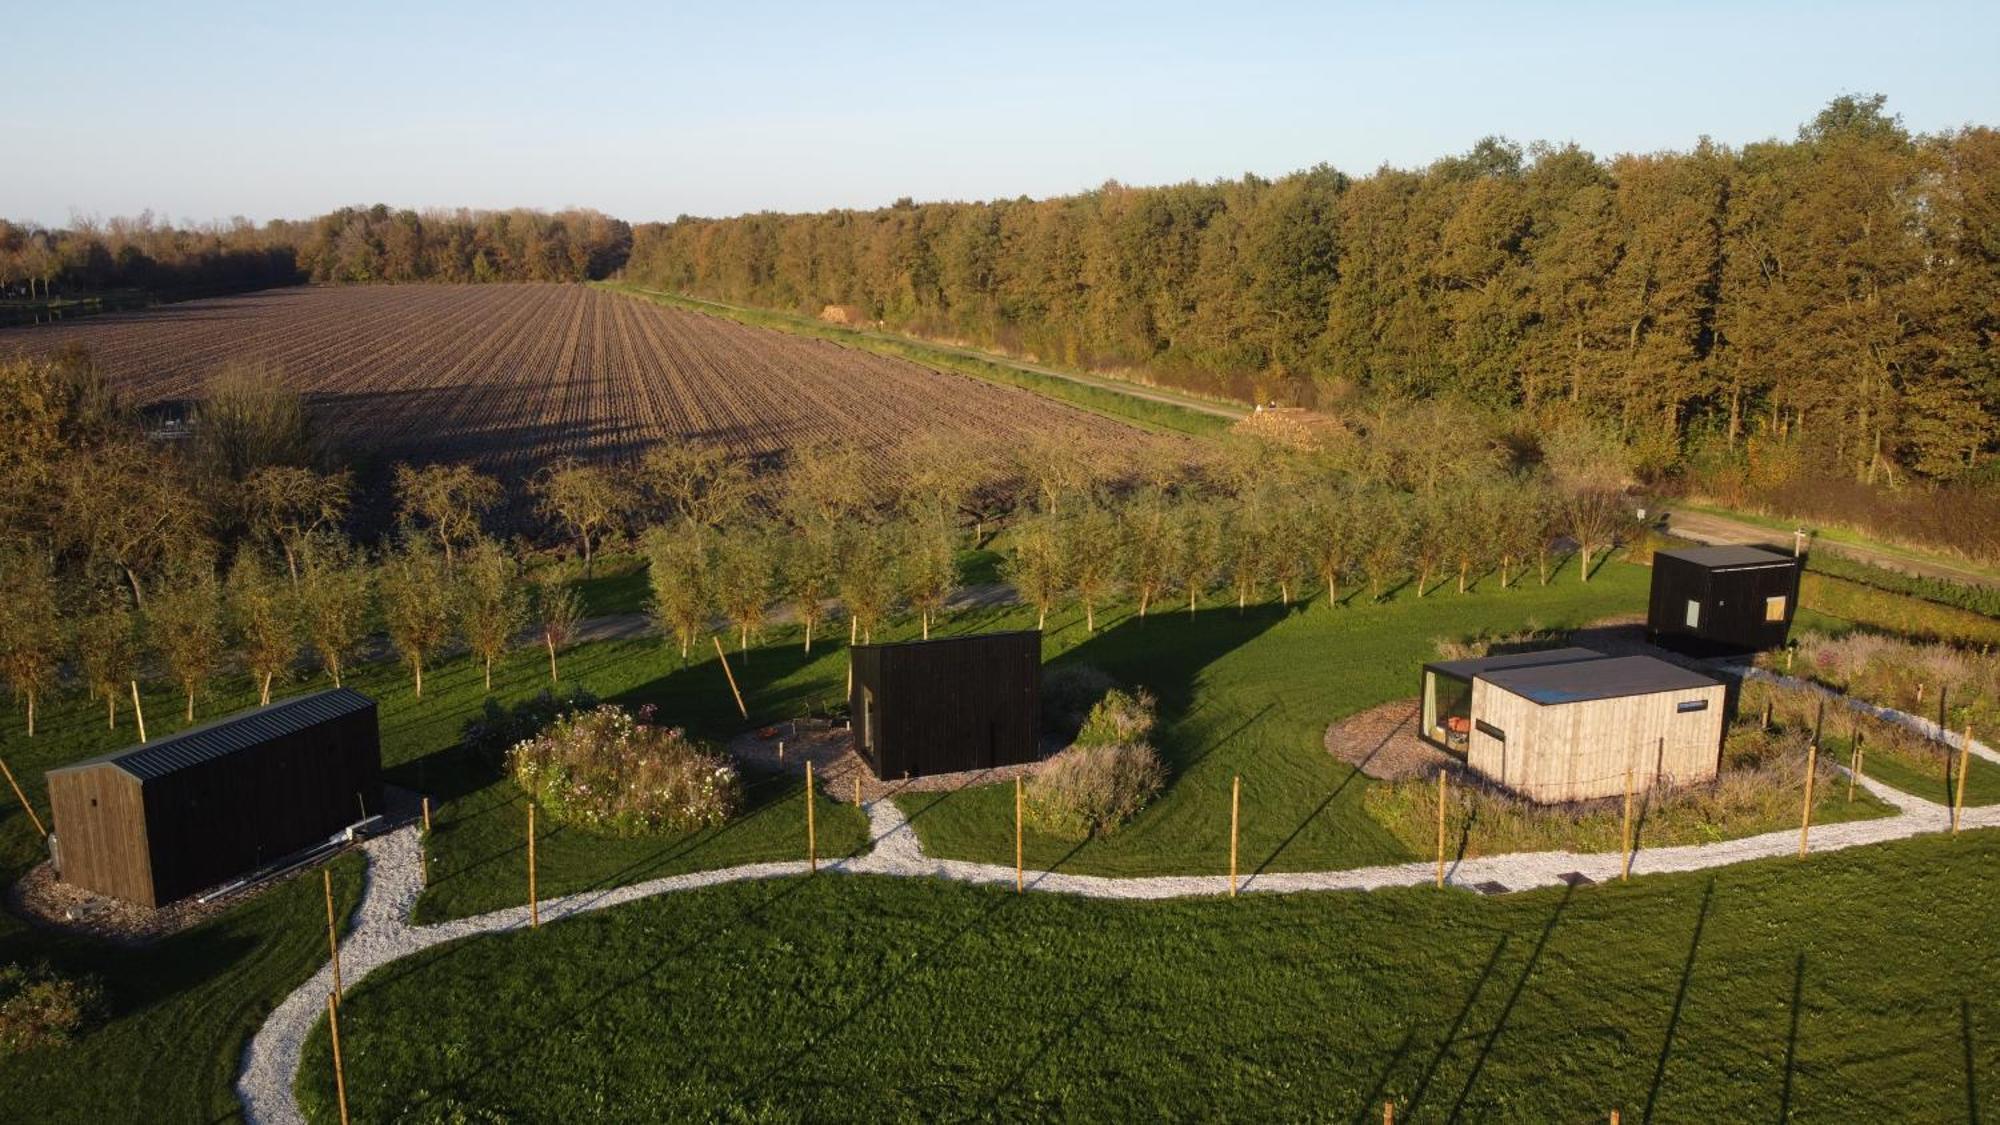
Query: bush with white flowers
(605, 771)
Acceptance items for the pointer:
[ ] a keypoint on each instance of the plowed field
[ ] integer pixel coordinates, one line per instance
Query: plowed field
(509, 376)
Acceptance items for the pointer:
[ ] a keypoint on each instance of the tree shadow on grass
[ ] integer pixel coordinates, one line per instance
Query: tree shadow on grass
(1792, 1037)
(1680, 1003)
(1513, 998)
(1450, 1038)
(1971, 1069)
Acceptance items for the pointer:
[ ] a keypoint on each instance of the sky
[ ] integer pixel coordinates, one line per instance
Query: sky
(202, 111)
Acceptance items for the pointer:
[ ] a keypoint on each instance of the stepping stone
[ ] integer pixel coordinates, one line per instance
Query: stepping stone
(1490, 887)
(1576, 878)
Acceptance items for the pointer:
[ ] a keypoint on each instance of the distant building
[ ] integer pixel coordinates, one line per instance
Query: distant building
(162, 820)
(1722, 601)
(1572, 724)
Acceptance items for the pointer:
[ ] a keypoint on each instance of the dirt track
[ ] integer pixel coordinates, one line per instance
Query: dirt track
(1706, 528)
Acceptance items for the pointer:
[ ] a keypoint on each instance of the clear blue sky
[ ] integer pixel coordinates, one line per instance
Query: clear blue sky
(203, 111)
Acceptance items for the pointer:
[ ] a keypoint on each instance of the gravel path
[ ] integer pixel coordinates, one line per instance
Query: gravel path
(382, 932)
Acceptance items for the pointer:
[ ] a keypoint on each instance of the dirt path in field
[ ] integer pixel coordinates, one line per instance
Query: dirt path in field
(1705, 527)
(381, 933)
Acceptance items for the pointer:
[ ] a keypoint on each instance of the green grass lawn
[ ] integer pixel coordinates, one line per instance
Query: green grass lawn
(1934, 777)
(1849, 987)
(181, 1010)
(1252, 693)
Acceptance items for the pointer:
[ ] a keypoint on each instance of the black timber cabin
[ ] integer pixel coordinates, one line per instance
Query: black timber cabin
(1722, 601)
(948, 705)
(158, 822)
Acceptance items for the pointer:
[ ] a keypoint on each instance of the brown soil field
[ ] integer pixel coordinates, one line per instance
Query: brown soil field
(510, 376)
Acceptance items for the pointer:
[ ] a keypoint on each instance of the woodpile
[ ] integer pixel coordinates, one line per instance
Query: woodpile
(1293, 427)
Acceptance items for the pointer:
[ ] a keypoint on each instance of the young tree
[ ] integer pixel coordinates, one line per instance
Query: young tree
(1285, 546)
(868, 579)
(679, 570)
(1385, 537)
(585, 499)
(184, 624)
(1091, 556)
(808, 567)
(449, 499)
(826, 484)
(1332, 536)
(492, 604)
(30, 626)
(106, 648)
(416, 592)
(1199, 530)
(930, 564)
(129, 508)
(335, 588)
(699, 484)
(263, 620)
(1431, 522)
(1475, 509)
(743, 578)
(286, 504)
(1034, 564)
(1152, 545)
(1594, 518)
(247, 418)
(1056, 465)
(558, 613)
(1243, 551)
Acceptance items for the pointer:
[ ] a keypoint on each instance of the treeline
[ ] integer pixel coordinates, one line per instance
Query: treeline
(124, 558)
(352, 244)
(1839, 291)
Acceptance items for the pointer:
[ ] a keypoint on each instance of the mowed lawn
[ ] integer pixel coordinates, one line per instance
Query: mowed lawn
(1250, 694)
(1858, 986)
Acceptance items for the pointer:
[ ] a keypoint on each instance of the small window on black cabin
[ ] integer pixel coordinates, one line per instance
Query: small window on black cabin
(1691, 705)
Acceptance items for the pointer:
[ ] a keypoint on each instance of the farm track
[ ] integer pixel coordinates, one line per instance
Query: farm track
(511, 376)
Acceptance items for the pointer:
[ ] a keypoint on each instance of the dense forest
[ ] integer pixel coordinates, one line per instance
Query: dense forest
(1842, 288)
(353, 244)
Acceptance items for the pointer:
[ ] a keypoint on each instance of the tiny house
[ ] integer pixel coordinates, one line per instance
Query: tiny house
(157, 822)
(1722, 601)
(947, 705)
(1572, 724)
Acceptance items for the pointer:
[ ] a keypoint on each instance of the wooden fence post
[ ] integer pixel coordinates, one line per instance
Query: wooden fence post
(23, 798)
(339, 1073)
(332, 931)
(857, 786)
(1020, 882)
(1964, 767)
(427, 816)
(1766, 724)
(1805, 814)
(1235, 804)
(1440, 866)
(812, 833)
(1625, 851)
(138, 711)
(534, 900)
(740, 709)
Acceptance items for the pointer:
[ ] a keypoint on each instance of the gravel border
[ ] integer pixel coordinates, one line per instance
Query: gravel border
(382, 932)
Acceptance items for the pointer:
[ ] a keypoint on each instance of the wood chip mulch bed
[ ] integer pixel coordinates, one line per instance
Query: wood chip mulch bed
(1382, 742)
(830, 748)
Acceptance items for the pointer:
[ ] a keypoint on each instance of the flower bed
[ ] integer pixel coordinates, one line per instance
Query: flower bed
(605, 771)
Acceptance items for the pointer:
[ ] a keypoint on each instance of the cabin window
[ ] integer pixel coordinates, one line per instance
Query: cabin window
(1691, 705)
(1489, 730)
(1694, 614)
(1774, 608)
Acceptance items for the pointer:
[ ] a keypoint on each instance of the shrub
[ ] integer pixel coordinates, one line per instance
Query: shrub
(605, 771)
(1069, 691)
(497, 729)
(1090, 790)
(1531, 639)
(1119, 719)
(40, 1007)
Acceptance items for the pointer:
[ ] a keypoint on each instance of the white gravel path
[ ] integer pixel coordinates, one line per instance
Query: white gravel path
(383, 933)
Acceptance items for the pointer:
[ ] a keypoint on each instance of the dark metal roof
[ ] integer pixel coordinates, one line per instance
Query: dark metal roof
(962, 638)
(1609, 678)
(232, 734)
(1729, 558)
(1466, 669)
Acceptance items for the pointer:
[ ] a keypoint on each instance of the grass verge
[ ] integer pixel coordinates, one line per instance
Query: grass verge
(1847, 987)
